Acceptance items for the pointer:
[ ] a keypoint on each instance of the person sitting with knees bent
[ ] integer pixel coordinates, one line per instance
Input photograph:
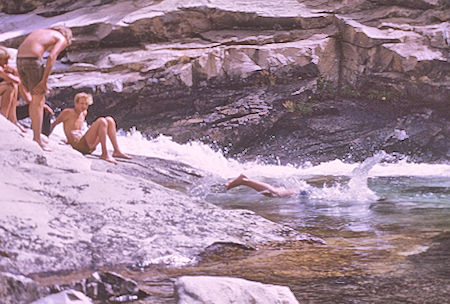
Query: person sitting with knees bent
(10, 86)
(101, 128)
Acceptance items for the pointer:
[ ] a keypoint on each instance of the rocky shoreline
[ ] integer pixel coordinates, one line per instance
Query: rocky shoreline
(63, 213)
(285, 81)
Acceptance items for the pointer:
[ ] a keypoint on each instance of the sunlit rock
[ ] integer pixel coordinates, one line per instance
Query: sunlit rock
(65, 297)
(226, 290)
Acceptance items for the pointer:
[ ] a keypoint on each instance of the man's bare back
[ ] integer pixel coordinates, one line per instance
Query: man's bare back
(40, 41)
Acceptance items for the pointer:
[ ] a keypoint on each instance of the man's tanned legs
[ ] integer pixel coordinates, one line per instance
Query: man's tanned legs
(36, 111)
(97, 134)
(112, 134)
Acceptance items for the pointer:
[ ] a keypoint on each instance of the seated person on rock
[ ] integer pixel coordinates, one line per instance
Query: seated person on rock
(10, 87)
(263, 188)
(102, 127)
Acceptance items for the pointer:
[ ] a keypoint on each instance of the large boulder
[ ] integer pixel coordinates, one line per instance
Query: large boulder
(226, 290)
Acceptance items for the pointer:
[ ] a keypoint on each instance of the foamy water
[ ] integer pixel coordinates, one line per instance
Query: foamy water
(214, 163)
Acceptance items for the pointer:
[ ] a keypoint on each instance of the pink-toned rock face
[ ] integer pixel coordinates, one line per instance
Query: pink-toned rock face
(172, 66)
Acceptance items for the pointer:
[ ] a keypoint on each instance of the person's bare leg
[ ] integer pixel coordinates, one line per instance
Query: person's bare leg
(112, 134)
(261, 187)
(97, 134)
(36, 111)
(254, 184)
(235, 182)
(7, 96)
(24, 93)
(12, 114)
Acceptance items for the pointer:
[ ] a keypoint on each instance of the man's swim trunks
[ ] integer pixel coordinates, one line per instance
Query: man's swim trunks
(30, 70)
(82, 146)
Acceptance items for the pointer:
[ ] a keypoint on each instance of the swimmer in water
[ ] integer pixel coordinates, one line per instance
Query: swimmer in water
(263, 188)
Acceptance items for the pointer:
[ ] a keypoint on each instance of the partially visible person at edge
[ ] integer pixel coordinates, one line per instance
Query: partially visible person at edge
(263, 188)
(34, 73)
(10, 86)
(101, 128)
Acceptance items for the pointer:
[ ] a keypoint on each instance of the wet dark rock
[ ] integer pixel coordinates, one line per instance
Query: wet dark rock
(354, 130)
(416, 4)
(106, 286)
(225, 251)
(18, 289)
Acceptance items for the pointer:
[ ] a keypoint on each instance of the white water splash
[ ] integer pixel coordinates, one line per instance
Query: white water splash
(357, 185)
(203, 157)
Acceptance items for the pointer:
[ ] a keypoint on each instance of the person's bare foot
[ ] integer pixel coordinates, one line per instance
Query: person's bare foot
(108, 158)
(20, 127)
(235, 182)
(121, 155)
(43, 146)
(44, 139)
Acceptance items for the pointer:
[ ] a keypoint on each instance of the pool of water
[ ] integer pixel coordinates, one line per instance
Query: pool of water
(393, 248)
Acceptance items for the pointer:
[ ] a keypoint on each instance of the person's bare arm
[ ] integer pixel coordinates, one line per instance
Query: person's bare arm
(48, 109)
(24, 93)
(8, 76)
(41, 87)
(12, 70)
(61, 118)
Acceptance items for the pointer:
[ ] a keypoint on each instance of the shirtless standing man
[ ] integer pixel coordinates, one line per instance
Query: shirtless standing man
(73, 119)
(34, 74)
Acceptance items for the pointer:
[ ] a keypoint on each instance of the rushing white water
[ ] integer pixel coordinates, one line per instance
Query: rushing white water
(214, 163)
